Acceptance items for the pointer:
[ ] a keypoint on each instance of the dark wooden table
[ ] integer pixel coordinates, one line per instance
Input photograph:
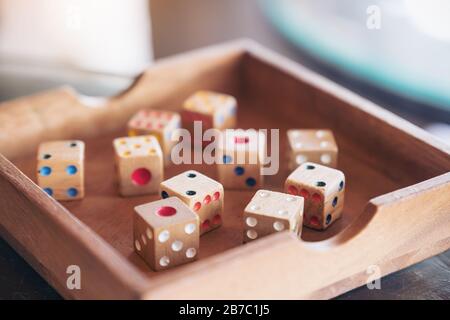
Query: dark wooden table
(184, 25)
(429, 279)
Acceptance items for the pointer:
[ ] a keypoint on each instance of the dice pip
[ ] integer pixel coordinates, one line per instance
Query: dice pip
(60, 169)
(323, 190)
(311, 145)
(166, 233)
(201, 194)
(139, 165)
(269, 212)
(160, 124)
(240, 158)
(214, 110)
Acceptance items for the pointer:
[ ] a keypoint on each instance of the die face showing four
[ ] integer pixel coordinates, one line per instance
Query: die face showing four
(269, 212)
(139, 165)
(323, 189)
(166, 233)
(161, 124)
(311, 145)
(60, 169)
(215, 110)
(240, 157)
(201, 194)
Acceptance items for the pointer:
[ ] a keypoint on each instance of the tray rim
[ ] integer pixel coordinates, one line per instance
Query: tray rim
(139, 285)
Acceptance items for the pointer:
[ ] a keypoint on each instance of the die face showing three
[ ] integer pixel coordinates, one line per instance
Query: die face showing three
(215, 110)
(311, 145)
(323, 189)
(139, 165)
(60, 169)
(160, 124)
(240, 157)
(269, 212)
(201, 194)
(166, 233)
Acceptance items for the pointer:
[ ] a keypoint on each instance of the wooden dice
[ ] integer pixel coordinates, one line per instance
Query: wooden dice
(323, 190)
(312, 145)
(60, 169)
(161, 124)
(139, 165)
(240, 158)
(202, 194)
(213, 109)
(166, 233)
(269, 212)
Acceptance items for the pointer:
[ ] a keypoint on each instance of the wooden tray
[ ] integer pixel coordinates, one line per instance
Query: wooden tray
(397, 209)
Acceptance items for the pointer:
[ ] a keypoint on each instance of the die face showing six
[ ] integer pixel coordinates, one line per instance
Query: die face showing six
(215, 110)
(240, 157)
(166, 233)
(139, 165)
(269, 212)
(60, 169)
(161, 124)
(201, 194)
(323, 189)
(311, 145)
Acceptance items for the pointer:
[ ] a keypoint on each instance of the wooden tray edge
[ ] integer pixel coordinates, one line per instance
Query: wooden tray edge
(289, 67)
(391, 235)
(61, 240)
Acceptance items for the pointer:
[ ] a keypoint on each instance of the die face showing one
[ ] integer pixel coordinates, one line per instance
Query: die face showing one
(269, 212)
(60, 169)
(323, 189)
(201, 194)
(139, 165)
(311, 145)
(161, 124)
(166, 233)
(215, 110)
(240, 158)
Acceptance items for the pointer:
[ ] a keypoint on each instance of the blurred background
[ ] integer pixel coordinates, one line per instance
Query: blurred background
(393, 52)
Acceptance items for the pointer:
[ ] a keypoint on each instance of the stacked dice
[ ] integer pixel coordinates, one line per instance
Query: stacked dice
(60, 170)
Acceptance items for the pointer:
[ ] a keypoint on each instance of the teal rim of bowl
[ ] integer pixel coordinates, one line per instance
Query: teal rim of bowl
(324, 52)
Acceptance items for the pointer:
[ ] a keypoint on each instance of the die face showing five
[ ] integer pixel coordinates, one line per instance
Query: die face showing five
(166, 233)
(60, 169)
(240, 157)
(269, 212)
(323, 189)
(215, 110)
(201, 194)
(311, 145)
(161, 124)
(139, 165)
